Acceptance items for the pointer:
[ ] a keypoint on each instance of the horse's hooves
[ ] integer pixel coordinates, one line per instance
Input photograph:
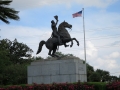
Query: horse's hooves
(78, 44)
(66, 45)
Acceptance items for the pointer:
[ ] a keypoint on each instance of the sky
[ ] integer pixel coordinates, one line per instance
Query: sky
(102, 28)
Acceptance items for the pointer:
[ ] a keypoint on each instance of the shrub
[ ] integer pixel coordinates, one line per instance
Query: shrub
(113, 86)
(54, 86)
(98, 85)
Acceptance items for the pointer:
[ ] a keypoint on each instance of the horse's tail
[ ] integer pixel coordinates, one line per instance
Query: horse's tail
(40, 46)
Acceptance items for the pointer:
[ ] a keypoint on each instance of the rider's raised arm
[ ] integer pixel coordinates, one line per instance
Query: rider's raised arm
(56, 22)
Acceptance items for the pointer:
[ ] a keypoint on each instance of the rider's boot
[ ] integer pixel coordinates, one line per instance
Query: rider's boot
(66, 45)
(60, 42)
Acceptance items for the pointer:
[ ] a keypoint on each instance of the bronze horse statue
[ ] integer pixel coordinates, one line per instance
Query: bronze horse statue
(52, 42)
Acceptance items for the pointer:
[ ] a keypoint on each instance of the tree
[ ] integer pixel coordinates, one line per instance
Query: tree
(4, 61)
(119, 78)
(14, 74)
(90, 70)
(15, 51)
(13, 67)
(105, 76)
(94, 77)
(114, 78)
(6, 12)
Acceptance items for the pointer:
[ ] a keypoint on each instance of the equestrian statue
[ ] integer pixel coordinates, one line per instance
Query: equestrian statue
(59, 37)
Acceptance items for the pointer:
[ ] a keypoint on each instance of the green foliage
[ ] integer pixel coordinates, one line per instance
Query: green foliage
(105, 76)
(7, 12)
(15, 50)
(113, 78)
(90, 70)
(4, 61)
(13, 67)
(14, 74)
(95, 77)
(98, 85)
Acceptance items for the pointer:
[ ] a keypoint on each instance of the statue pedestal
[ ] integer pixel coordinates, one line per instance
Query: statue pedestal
(58, 71)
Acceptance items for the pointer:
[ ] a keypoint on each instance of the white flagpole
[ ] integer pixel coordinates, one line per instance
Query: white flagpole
(84, 42)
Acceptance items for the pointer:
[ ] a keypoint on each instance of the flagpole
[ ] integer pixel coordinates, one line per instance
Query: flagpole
(84, 42)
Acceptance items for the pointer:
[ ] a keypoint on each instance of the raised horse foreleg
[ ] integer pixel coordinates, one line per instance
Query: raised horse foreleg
(65, 40)
(76, 41)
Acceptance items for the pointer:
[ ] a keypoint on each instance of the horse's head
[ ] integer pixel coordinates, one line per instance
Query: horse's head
(67, 25)
(62, 29)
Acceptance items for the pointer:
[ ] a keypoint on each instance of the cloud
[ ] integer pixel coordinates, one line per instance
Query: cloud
(24, 32)
(28, 4)
(96, 3)
(113, 55)
(27, 35)
(91, 50)
(115, 43)
(107, 64)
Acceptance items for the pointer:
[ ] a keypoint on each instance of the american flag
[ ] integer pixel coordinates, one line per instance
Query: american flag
(78, 14)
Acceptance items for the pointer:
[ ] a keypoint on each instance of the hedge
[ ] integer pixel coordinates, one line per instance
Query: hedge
(65, 86)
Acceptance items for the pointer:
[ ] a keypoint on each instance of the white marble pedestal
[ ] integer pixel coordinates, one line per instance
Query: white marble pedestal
(58, 71)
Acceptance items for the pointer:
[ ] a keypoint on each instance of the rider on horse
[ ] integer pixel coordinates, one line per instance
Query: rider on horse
(54, 28)
(53, 42)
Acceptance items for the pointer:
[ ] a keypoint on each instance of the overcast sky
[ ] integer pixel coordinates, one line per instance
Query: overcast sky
(102, 27)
